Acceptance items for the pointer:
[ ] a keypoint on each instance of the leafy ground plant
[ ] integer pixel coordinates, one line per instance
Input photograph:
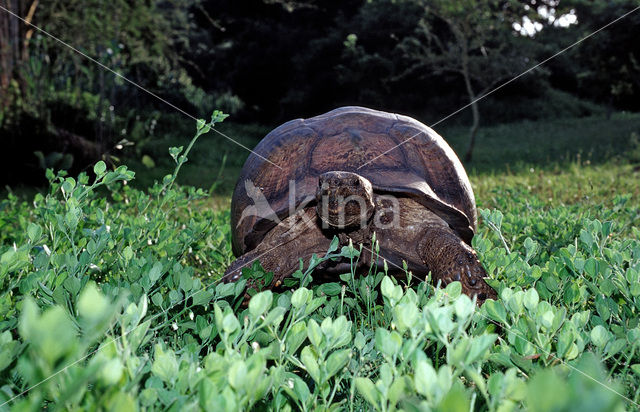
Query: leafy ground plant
(110, 299)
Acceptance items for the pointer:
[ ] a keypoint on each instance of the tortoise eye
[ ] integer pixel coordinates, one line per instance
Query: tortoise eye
(356, 183)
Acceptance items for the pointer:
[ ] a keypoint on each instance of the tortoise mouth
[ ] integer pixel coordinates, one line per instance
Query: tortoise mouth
(340, 219)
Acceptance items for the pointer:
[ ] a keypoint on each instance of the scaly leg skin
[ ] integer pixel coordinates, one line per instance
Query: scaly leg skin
(297, 237)
(450, 259)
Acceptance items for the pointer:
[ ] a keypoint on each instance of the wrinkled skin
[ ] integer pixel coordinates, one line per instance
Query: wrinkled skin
(450, 260)
(347, 206)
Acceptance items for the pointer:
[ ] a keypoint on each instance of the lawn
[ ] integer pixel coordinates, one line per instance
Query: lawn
(115, 291)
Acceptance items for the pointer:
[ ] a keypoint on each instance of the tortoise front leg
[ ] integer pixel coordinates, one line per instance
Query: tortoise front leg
(282, 260)
(295, 238)
(450, 259)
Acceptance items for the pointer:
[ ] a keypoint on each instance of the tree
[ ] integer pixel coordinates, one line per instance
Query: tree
(55, 101)
(14, 43)
(472, 39)
(609, 65)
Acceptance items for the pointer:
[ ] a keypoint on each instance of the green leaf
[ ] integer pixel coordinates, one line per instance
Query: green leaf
(546, 319)
(174, 152)
(496, 311)
(406, 316)
(71, 219)
(565, 339)
(531, 247)
(165, 365)
(614, 347)
(99, 168)
(336, 361)
(237, 374)
(387, 287)
(453, 289)
(92, 305)
(157, 299)
(260, 303)
(350, 252)
(230, 323)
(599, 336)
(314, 333)
(399, 389)
(329, 289)
(34, 232)
(531, 299)
(359, 341)
(385, 374)
(175, 296)
(464, 307)
(479, 347)
(9, 349)
(515, 302)
(300, 297)
(111, 371)
(387, 342)
(425, 379)
(455, 400)
(367, 389)
(155, 272)
(202, 297)
(121, 401)
(148, 396)
(496, 217)
(391, 291)
(148, 161)
(586, 238)
(340, 332)
(296, 336)
(591, 267)
(495, 384)
(300, 388)
(127, 253)
(275, 316)
(333, 246)
(218, 116)
(310, 362)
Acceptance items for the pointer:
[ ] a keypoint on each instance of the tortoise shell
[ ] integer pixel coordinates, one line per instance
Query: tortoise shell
(419, 164)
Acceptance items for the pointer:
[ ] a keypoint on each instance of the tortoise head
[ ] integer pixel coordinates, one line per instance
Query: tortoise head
(345, 199)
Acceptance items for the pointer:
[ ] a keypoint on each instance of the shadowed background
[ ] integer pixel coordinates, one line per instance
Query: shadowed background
(265, 62)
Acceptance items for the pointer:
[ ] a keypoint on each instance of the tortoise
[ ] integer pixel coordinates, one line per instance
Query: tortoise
(350, 173)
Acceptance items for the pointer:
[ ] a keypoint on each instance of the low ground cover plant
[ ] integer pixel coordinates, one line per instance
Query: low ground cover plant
(110, 299)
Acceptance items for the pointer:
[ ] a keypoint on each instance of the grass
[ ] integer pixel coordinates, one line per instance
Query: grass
(551, 145)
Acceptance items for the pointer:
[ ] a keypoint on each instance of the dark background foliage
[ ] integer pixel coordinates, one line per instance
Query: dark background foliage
(268, 61)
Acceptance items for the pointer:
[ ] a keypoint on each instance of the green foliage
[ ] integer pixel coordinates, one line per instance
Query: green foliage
(112, 295)
(59, 109)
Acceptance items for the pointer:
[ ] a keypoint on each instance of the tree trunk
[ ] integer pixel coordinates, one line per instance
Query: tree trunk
(474, 111)
(9, 41)
(14, 44)
(101, 117)
(609, 107)
(29, 30)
